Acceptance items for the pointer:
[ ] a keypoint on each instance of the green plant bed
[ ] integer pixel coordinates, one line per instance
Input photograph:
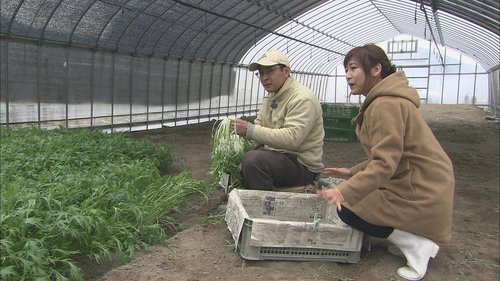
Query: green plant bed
(67, 194)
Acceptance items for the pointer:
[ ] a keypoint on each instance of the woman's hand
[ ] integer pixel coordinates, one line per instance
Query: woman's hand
(342, 173)
(332, 196)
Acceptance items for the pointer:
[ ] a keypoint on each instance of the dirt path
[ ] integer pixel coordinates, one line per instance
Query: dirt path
(204, 251)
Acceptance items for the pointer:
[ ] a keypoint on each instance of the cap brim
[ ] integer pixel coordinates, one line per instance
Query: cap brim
(263, 62)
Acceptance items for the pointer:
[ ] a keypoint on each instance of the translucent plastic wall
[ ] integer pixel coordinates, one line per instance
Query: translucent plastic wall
(456, 79)
(51, 86)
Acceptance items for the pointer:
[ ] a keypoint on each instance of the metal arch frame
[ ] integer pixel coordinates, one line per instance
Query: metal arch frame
(311, 31)
(204, 14)
(455, 7)
(180, 34)
(173, 22)
(104, 26)
(490, 54)
(241, 47)
(475, 45)
(138, 13)
(250, 16)
(482, 14)
(91, 4)
(211, 48)
(238, 49)
(160, 17)
(244, 44)
(384, 15)
(14, 14)
(320, 21)
(33, 20)
(42, 34)
(278, 34)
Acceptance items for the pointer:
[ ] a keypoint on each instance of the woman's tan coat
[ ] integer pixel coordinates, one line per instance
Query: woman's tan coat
(407, 182)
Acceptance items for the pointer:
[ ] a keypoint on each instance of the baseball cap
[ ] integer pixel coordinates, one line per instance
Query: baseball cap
(269, 58)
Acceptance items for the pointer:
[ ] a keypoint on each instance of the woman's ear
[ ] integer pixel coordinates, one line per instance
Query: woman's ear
(376, 70)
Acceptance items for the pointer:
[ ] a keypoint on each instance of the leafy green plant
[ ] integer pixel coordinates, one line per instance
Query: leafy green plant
(72, 193)
(228, 149)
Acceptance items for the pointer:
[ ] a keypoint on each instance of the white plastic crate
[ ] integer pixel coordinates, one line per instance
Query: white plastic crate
(268, 225)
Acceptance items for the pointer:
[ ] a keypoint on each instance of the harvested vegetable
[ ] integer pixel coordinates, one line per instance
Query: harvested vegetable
(228, 149)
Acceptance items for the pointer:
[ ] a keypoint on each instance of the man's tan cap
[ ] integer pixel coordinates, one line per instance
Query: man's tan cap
(270, 58)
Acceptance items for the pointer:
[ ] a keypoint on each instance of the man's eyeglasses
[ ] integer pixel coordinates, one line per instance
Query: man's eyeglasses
(267, 71)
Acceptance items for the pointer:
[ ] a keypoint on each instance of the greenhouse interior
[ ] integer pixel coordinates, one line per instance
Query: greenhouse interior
(126, 65)
(120, 149)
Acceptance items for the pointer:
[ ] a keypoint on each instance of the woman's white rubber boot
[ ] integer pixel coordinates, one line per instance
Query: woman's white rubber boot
(417, 250)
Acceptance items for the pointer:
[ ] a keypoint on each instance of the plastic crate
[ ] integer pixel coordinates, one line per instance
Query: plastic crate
(270, 225)
(339, 123)
(291, 253)
(339, 110)
(340, 135)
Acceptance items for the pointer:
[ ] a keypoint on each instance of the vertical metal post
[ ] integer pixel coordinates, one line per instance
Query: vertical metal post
(7, 83)
(228, 89)
(164, 74)
(190, 68)
(443, 75)
(113, 89)
(130, 88)
(66, 85)
(459, 76)
(177, 90)
(245, 92)
(335, 86)
(252, 77)
(475, 81)
(258, 94)
(147, 92)
(38, 85)
(317, 85)
(238, 69)
(322, 90)
(220, 92)
(428, 74)
(199, 89)
(92, 68)
(210, 91)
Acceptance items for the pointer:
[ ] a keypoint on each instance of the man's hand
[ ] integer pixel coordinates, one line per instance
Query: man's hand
(240, 126)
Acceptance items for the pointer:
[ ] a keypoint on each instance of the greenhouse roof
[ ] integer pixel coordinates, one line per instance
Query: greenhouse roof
(316, 33)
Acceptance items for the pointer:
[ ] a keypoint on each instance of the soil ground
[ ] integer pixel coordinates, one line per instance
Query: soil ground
(203, 249)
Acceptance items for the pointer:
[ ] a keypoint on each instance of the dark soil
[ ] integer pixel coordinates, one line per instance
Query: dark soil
(202, 248)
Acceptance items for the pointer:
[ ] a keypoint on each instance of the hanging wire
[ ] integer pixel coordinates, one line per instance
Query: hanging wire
(422, 8)
(416, 5)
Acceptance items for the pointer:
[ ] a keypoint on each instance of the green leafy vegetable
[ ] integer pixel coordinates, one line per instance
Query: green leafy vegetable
(67, 194)
(228, 149)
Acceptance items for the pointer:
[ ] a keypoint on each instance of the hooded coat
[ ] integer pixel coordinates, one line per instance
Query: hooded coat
(407, 182)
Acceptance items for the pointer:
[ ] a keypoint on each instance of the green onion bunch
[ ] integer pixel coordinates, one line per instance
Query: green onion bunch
(228, 149)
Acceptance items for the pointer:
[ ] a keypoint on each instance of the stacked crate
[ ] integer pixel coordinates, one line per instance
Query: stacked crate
(338, 122)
